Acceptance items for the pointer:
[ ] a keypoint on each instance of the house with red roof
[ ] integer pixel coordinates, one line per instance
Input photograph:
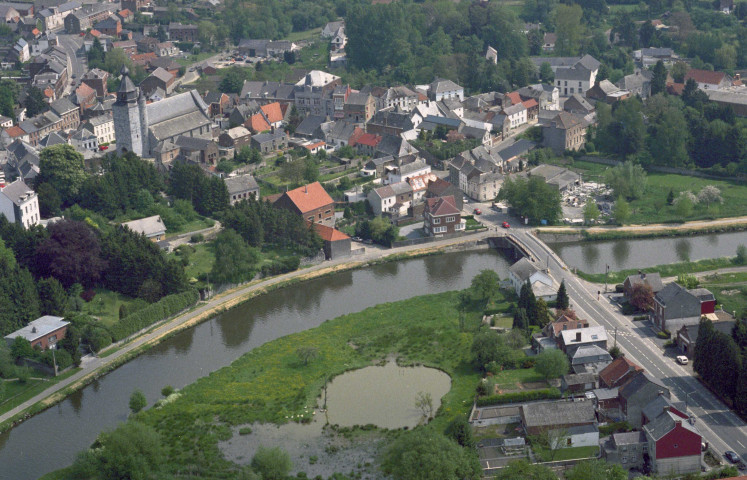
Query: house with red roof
(708, 80)
(618, 372)
(367, 143)
(336, 244)
(441, 216)
(311, 202)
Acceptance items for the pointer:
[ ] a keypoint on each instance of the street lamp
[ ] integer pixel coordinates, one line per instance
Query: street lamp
(606, 271)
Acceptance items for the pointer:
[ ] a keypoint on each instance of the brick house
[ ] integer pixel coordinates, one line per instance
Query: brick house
(311, 202)
(564, 132)
(618, 373)
(182, 33)
(651, 279)
(43, 333)
(336, 244)
(97, 79)
(674, 443)
(442, 188)
(675, 306)
(241, 187)
(441, 216)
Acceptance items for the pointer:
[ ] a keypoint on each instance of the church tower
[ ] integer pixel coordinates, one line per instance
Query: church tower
(128, 128)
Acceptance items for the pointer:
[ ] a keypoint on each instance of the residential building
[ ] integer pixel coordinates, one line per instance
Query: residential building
(674, 443)
(525, 271)
(68, 112)
(687, 336)
(82, 140)
(241, 187)
(160, 78)
(152, 227)
(516, 114)
(442, 217)
(42, 333)
(336, 244)
(638, 83)
(270, 142)
(606, 91)
(547, 96)
(627, 449)
(561, 178)
(675, 306)
(111, 26)
(20, 204)
(442, 89)
(311, 202)
(331, 28)
(235, 138)
(564, 132)
(441, 188)
(96, 79)
(359, 107)
(402, 171)
(589, 359)
(709, 80)
(578, 382)
(638, 392)
(198, 150)
(538, 418)
(648, 57)
(382, 199)
(183, 33)
(102, 127)
(578, 77)
(572, 340)
(217, 102)
(85, 18)
(653, 280)
(618, 372)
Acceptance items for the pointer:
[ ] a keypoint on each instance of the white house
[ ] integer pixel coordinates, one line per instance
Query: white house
(516, 114)
(20, 204)
(576, 436)
(542, 284)
(408, 170)
(381, 199)
(578, 78)
(103, 127)
(442, 89)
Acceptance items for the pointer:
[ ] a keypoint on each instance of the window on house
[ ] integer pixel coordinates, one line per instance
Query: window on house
(436, 220)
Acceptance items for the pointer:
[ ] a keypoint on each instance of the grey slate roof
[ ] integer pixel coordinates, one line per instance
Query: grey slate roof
(442, 85)
(412, 167)
(590, 354)
(39, 328)
(62, 105)
(517, 148)
(558, 413)
(192, 143)
(579, 378)
(663, 424)
(658, 405)
(310, 125)
(148, 226)
(629, 438)
(523, 269)
(638, 382)
(17, 191)
(241, 183)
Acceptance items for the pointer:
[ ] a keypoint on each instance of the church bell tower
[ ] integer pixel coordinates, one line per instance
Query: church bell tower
(128, 127)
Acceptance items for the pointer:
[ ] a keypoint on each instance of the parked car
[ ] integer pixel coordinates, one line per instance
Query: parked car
(732, 456)
(682, 360)
(505, 225)
(477, 211)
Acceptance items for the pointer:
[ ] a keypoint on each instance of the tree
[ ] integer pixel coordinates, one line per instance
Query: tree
(49, 200)
(424, 403)
(679, 70)
(532, 198)
(627, 180)
(485, 284)
(21, 348)
(684, 204)
(35, 102)
(235, 261)
(523, 470)
(52, 297)
(9, 91)
(271, 463)
(741, 258)
(740, 397)
(62, 167)
(591, 211)
(551, 364)
(670, 197)
(460, 431)
(642, 297)
(307, 354)
(546, 73)
(137, 401)
(562, 301)
(293, 171)
(406, 456)
(659, 80)
(568, 29)
(133, 450)
(615, 352)
(596, 470)
(71, 254)
(687, 280)
(528, 302)
(710, 194)
(96, 54)
(543, 316)
(233, 80)
(621, 211)
(486, 347)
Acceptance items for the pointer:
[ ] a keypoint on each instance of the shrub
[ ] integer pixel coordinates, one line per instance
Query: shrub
(515, 397)
(284, 265)
(664, 334)
(628, 309)
(88, 295)
(615, 427)
(640, 317)
(482, 388)
(61, 357)
(167, 390)
(245, 430)
(165, 307)
(197, 238)
(670, 344)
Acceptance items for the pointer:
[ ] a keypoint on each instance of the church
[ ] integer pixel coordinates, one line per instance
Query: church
(141, 127)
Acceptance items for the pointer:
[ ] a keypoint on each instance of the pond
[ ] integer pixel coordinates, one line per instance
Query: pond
(384, 396)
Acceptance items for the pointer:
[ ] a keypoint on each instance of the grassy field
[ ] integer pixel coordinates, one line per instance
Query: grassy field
(546, 455)
(191, 59)
(305, 35)
(16, 392)
(652, 207)
(670, 270)
(730, 290)
(105, 306)
(270, 383)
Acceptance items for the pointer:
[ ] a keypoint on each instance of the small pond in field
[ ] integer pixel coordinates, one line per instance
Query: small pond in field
(385, 396)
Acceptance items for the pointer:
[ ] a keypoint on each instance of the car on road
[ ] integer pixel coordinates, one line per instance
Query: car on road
(477, 211)
(505, 225)
(732, 456)
(682, 360)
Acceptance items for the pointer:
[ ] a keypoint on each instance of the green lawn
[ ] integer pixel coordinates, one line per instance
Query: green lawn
(201, 259)
(503, 322)
(304, 35)
(186, 62)
(196, 224)
(16, 393)
(105, 306)
(572, 453)
(669, 270)
(508, 379)
(270, 383)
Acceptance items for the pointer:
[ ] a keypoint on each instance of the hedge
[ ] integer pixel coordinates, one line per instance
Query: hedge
(284, 265)
(515, 397)
(154, 312)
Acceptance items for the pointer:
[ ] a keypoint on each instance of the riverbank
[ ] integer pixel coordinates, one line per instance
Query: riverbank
(668, 270)
(124, 352)
(273, 383)
(581, 234)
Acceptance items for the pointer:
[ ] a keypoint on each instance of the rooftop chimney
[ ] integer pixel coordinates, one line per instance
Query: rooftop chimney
(306, 189)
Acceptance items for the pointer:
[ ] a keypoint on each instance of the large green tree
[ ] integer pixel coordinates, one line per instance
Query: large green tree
(568, 29)
(485, 284)
(551, 364)
(71, 254)
(235, 261)
(35, 102)
(532, 198)
(659, 80)
(272, 463)
(62, 167)
(410, 452)
(596, 470)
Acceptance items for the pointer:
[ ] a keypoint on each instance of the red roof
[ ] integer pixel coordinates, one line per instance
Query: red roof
(329, 234)
(257, 123)
(675, 88)
(125, 13)
(49, 92)
(357, 134)
(369, 139)
(568, 323)
(515, 97)
(438, 206)
(616, 370)
(95, 32)
(273, 112)
(309, 197)
(705, 76)
(530, 103)
(313, 145)
(142, 58)
(15, 131)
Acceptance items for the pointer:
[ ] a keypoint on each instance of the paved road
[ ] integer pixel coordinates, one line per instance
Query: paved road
(719, 425)
(72, 45)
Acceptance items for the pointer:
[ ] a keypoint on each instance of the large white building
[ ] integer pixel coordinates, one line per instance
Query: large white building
(20, 204)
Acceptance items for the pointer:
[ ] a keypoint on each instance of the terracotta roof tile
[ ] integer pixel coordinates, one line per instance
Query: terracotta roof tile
(705, 76)
(273, 112)
(675, 88)
(357, 134)
(515, 98)
(369, 139)
(257, 123)
(15, 131)
(309, 197)
(616, 370)
(329, 234)
(530, 103)
(438, 206)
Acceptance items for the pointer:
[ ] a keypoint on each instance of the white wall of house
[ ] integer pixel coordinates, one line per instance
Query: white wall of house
(590, 439)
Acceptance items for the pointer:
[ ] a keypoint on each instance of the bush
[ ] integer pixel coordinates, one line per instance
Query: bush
(131, 307)
(197, 238)
(664, 335)
(245, 431)
(62, 357)
(670, 344)
(88, 295)
(165, 307)
(516, 397)
(167, 390)
(615, 427)
(284, 265)
(640, 317)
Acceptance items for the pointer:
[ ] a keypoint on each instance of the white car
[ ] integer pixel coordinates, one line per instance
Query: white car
(682, 360)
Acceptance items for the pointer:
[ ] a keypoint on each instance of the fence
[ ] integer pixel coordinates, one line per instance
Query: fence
(420, 241)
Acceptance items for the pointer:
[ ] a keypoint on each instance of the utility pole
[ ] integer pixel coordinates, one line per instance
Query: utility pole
(615, 337)
(606, 271)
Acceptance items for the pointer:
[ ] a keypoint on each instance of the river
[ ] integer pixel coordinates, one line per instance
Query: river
(51, 439)
(591, 257)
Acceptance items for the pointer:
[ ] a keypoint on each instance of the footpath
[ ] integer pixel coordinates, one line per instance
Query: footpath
(96, 366)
